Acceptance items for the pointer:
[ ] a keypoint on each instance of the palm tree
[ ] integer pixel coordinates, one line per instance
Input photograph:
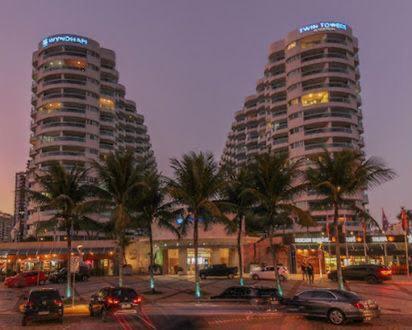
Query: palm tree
(196, 186)
(338, 177)
(275, 185)
(67, 193)
(152, 209)
(119, 176)
(239, 202)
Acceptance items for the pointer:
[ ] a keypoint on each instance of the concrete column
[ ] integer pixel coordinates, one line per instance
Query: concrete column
(183, 259)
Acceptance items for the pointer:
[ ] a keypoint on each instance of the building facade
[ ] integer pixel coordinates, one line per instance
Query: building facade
(308, 99)
(79, 112)
(6, 224)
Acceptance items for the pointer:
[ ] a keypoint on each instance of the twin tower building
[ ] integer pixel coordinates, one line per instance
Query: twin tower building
(307, 99)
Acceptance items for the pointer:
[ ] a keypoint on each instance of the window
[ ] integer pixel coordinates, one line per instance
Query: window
(322, 295)
(305, 295)
(311, 41)
(294, 101)
(315, 98)
(291, 45)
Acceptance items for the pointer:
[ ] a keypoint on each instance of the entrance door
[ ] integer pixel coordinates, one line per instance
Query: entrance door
(203, 259)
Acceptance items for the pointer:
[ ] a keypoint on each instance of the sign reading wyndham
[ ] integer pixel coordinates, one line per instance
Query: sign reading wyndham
(64, 38)
(323, 26)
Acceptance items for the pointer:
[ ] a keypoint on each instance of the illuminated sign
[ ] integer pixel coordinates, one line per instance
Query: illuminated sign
(317, 240)
(64, 38)
(350, 239)
(379, 239)
(323, 26)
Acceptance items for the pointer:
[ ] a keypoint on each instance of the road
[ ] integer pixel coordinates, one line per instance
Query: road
(175, 308)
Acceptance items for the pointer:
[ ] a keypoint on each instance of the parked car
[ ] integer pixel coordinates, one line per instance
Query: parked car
(370, 273)
(111, 300)
(337, 306)
(268, 273)
(60, 276)
(43, 304)
(218, 270)
(249, 294)
(24, 279)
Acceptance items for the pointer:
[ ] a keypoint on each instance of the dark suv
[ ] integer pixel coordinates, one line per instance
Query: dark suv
(60, 276)
(43, 304)
(218, 270)
(372, 274)
(112, 300)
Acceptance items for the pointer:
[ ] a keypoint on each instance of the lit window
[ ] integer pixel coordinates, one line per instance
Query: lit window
(291, 45)
(49, 107)
(311, 41)
(106, 103)
(315, 98)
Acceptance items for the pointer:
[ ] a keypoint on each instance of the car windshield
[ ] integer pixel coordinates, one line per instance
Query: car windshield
(123, 292)
(39, 296)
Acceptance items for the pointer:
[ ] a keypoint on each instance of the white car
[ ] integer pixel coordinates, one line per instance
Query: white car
(268, 273)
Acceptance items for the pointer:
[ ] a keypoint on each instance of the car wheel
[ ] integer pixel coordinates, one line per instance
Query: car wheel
(103, 314)
(231, 276)
(336, 316)
(23, 321)
(372, 279)
(203, 277)
(255, 277)
(91, 312)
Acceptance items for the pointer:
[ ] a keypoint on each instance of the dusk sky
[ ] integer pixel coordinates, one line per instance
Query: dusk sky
(189, 65)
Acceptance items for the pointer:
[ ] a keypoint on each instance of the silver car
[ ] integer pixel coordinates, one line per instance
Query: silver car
(337, 306)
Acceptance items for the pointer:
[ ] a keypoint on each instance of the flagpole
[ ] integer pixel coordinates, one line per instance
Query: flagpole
(405, 227)
(406, 253)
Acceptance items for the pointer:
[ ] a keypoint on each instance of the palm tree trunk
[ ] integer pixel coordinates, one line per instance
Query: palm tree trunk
(239, 248)
(196, 248)
(69, 255)
(152, 283)
(365, 249)
(337, 247)
(275, 264)
(120, 257)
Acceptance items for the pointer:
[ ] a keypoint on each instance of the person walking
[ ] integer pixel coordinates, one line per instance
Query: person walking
(309, 270)
(303, 269)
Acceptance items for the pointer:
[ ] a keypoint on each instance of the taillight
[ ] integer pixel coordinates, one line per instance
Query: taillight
(112, 301)
(137, 300)
(358, 305)
(29, 304)
(58, 302)
(386, 272)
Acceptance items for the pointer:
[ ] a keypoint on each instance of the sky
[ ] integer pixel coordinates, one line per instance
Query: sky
(189, 64)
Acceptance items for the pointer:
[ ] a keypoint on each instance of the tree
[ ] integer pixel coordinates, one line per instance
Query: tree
(152, 209)
(67, 193)
(339, 177)
(275, 184)
(239, 202)
(196, 186)
(119, 176)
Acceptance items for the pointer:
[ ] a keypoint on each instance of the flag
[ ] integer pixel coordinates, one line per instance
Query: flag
(404, 220)
(385, 222)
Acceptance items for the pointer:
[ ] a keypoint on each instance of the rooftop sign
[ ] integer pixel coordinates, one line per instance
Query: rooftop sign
(322, 26)
(64, 38)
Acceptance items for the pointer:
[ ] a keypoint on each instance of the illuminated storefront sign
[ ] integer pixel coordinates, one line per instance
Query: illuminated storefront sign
(379, 239)
(64, 38)
(317, 240)
(323, 26)
(351, 239)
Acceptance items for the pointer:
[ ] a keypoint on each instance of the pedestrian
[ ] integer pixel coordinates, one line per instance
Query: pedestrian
(309, 270)
(303, 269)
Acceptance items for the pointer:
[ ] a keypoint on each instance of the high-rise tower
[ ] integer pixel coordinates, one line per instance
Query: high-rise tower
(308, 99)
(79, 110)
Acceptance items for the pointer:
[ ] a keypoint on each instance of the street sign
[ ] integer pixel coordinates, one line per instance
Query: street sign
(74, 264)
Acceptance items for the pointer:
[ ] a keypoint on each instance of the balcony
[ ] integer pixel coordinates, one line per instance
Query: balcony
(328, 130)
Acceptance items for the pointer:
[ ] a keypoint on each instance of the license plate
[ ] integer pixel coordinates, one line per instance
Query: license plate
(44, 313)
(126, 305)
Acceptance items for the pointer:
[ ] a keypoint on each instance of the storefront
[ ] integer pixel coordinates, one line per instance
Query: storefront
(51, 256)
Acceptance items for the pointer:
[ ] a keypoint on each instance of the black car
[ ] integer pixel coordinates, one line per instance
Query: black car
(370, 273)
(60, 276)
(218, 270)
(248, 294)
(43, 304)
(337, 306)
(110, 300)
